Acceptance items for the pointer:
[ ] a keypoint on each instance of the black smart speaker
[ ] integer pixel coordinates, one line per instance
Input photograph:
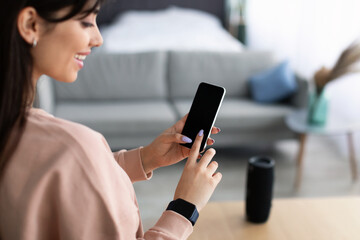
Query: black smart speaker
(259, 187)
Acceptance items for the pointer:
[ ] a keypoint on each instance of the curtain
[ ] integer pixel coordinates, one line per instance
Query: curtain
(310, 33)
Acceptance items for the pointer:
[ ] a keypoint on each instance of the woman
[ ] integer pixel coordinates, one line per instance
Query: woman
(59, 179)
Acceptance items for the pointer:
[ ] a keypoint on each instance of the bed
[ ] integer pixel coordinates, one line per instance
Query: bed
(163, 29)
(112, 8)
(131, 91)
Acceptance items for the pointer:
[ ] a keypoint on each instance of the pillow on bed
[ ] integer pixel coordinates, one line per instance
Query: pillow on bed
(274, 84)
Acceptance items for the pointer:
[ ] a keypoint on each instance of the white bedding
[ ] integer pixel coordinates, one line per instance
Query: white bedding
(170, 29)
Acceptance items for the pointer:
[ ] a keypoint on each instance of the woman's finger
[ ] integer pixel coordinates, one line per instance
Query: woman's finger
(175, 138)
(212, 167)
(210, 142)
(179, 125)
(217, 177)
(183, 119)
(194, 151)
(206, 158)
(215, 130)
(179, 138)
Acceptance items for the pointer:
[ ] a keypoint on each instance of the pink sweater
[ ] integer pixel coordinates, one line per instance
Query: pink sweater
(63, 182)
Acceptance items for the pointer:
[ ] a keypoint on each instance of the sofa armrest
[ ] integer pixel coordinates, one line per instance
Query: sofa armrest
(300, 98)
(45, 94)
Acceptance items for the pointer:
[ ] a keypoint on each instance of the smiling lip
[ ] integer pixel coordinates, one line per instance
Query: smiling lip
(80, 57)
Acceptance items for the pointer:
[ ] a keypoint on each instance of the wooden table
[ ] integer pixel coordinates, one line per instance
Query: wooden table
(290, 219)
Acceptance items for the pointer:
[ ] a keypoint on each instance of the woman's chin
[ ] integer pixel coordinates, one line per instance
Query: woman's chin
(67, 79)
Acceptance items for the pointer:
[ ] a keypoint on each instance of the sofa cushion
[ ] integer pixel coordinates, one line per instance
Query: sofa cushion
(118, 76)
(273, 84)
(230, 70)
(237, 114)
(120, 118)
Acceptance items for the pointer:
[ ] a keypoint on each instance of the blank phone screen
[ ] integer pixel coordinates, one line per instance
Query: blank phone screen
(203, 112)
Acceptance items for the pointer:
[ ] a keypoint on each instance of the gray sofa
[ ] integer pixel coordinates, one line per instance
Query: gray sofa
(131, 98)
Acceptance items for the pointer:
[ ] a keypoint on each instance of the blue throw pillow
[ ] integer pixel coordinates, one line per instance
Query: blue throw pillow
(274, 84)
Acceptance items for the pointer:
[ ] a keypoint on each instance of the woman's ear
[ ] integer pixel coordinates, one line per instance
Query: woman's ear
(28, 25)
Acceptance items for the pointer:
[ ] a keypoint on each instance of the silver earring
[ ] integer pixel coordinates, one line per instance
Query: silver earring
(34, 43)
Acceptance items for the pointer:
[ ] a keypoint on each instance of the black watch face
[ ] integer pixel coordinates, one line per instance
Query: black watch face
(187, 209)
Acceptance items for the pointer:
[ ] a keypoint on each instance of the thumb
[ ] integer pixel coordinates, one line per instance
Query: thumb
(176, 138)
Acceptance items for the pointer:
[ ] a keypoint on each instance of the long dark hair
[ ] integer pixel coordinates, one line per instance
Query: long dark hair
(16, 64)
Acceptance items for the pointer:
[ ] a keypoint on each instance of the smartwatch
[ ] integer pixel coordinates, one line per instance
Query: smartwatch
(184, 208)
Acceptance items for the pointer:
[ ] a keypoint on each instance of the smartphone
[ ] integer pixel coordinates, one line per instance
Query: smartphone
(203, 112)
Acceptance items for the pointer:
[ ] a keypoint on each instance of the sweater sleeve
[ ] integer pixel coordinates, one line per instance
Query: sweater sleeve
(131, 162)
(171, 225)
(98, 200)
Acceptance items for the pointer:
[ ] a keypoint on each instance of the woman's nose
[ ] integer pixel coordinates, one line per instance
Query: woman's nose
(96, 39)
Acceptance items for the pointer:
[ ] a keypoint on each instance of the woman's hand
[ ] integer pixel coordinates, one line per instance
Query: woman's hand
(165, 150)
(198, 180)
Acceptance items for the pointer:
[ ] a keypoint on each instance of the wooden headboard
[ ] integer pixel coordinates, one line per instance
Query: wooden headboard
(113, 8)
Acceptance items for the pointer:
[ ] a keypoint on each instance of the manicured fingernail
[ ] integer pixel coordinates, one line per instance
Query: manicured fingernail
(201, 133)
(212, 140)
(186, 139)
(219, 130)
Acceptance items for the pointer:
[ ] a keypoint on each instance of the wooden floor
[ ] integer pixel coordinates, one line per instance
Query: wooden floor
(326, 172)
